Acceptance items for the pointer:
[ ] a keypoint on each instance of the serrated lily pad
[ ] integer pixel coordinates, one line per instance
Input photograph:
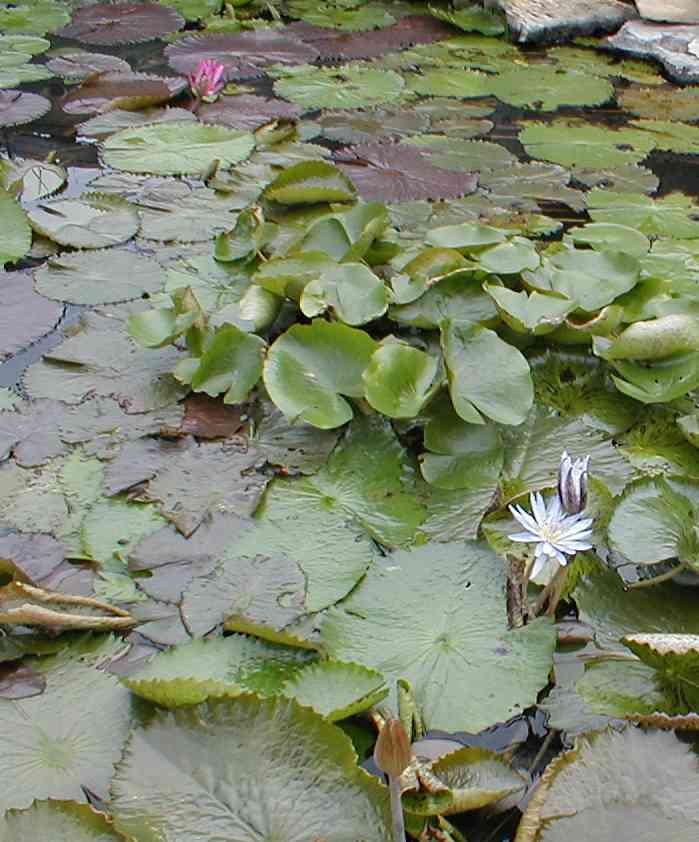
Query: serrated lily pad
(310, 367)
(24, 315)
(502, 669)
(93, 221)
(175, 148)
(335, 689)
(99, 277)
(310, 182)
(308, 786)
(219, 668)
(19, 107)
(50, 756)
(676, 659)
(648, 778)
(77, 65)
(60, 821)
(346, 87)
(122, 23)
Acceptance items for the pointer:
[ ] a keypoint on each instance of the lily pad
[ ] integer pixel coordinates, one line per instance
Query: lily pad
(32, 18)
(351, 290)
(536, 313)
(24, 315)
(335, 689)
(383, 624)
(93, 221)
(99, 277)
(661, 103)
(578, 144)
(672, 215)
(310, 367)
(450, 82)
(59, 820)
(309, 785)
(175, 148)
(676, 659)
(308, 183)
(334, 15)
(77, 65)
(244, 54)
(102, 125)
(648, 780)
(105, 91)
(219, 668)
(546, 88)
(399, 173)
(122, 23)
(51, 756)
(19, 107)
(347, 87)
(246, 111)
(16, 235)
(399, 379)
(502, 391)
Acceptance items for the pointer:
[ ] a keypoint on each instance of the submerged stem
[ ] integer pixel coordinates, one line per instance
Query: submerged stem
(657, 580)
(396, 809)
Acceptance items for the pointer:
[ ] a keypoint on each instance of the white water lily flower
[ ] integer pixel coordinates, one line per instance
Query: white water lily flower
(555, 533)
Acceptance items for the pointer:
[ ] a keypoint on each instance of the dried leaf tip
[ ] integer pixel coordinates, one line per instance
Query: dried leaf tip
(392, 752)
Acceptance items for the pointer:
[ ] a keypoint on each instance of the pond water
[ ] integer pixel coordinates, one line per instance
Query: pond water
(274, 367)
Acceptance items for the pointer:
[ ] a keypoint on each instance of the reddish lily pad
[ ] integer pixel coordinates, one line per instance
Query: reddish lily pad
(397, 173)
(334, 43)
(76, 65)
(126, 91)
(244, 55)
(17, 107)
(122, 23)
(247, 111)
(24, 315)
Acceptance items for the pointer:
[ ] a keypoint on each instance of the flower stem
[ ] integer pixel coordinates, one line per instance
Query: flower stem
(551, 594)
(657, 580)
(396, 809)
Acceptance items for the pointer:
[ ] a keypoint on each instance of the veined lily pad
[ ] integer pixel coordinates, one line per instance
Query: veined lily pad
(91, 222)
(336, 689)
(231, 363)
(309, 780)
(676, 659)
(30, 180)
(355, 17)
(122, 23)
(77, 65)
(472, 18)
(59, 820)
(384, 625)
(660, 381)
(310, 182)
(310, 367)
(175, 148)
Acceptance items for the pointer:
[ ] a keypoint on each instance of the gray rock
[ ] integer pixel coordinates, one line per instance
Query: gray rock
(555, 20)
(675, 47)
(672, 11)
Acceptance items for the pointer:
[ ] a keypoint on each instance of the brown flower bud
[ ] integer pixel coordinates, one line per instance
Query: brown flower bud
(392, 752)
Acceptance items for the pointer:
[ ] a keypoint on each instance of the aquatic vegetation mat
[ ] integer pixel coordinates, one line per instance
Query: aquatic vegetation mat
(349, 403)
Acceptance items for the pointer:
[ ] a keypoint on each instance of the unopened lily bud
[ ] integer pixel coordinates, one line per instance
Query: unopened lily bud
(572, 483)
(392, 752)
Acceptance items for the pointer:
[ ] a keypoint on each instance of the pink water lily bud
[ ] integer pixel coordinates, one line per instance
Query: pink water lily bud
(207, 81)
(572, 483)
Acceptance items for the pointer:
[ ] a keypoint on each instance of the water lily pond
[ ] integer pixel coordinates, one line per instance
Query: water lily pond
(349, 385)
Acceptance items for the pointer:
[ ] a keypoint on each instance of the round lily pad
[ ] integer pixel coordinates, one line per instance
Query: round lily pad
(175, 148)
(24, 315)
(91, 222)
(345, 87)
(247, 111)
(18, 107)
(77, 65)
(122, 23)
(125, 90)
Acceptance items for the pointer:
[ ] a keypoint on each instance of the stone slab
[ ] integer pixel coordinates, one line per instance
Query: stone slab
(669, 11)
(557, 20)
(674, 46)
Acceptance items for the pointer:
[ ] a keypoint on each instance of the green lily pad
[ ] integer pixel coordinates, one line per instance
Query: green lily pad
(335, 689)
(535, 313)
(352, 291)
(60, 821)
(231, 363)
(654, 339)
(344, 87)
(310, 182)
(30, 180)
(660, 381)
(466, 237)
(16, 68)
(303, 772)
(384, 624)
(510, 258)
(641, 772)
(577, 144)
(16, 235)
(99, 277)
(472, 18)
(546, 88)
(310, 367)
(486, 374)
(629, 178)
(458, 296)
(450, 82)
(669, 216)
(32, 18)
(175, 148)
(354, 17)
(676, 659)
(219, 668)
(50, 756)
(399, 379)
(28, 44)
(671, 136)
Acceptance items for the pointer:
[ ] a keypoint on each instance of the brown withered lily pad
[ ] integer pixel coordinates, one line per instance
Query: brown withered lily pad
(395, 173)
(247, 111)
(17, 107)
(409, 31)
(126, 91)
(122, 23)
(244, 55)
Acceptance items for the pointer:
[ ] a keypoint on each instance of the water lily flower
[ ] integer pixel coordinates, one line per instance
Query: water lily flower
(572, 483)
(207, 81)
(555, 533)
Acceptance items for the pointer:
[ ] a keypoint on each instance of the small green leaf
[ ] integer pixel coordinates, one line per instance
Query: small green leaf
(466, 237)
(16, 235)
(654, 339)
(336, 689)
(354, 293)
(672, 215)
(399, 379)
(231, 363)
(534, 313)
(660, 381)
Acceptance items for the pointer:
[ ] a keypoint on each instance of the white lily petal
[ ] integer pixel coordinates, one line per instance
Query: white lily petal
(525, 519)
(538, 507)
(524, 537)
(538, 566)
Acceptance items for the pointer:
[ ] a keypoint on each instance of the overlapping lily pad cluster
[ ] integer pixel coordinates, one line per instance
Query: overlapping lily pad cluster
(312, 345)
